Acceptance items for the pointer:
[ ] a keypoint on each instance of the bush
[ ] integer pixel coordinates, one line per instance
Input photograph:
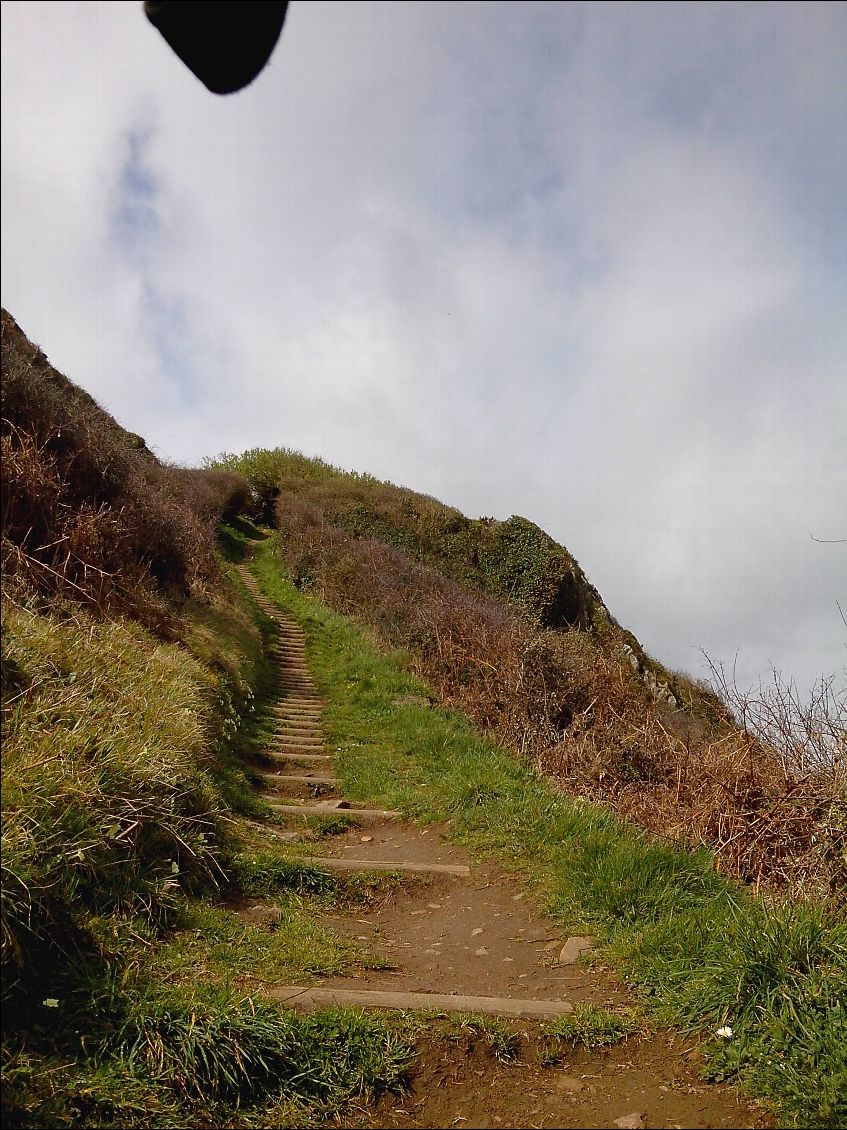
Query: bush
(88, 512)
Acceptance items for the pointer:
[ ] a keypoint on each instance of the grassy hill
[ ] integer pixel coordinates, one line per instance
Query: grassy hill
(134, 670)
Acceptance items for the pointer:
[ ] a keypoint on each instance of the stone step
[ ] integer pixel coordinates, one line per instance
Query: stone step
(287, 736)
(342, 863)
(283, 730)
(309, 706)
(286, 716)
(296, 723)
(289, 746)
(306, 997)
(330, 808)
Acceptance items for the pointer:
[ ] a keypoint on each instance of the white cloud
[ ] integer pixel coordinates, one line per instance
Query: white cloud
(579, 262)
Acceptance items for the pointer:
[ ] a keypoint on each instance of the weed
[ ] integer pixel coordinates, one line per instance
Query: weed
(331, 825)
(495, 1033)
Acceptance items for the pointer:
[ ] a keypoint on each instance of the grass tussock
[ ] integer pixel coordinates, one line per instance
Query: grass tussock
(191, 1057)
(108, 804)
(588, 1027)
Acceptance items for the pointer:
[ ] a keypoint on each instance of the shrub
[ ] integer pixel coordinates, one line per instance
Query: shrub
(88, 512)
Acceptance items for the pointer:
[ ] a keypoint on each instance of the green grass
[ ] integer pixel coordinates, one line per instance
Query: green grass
(287, 944)
(589, 1027)
(190, 1056)
(703, 953)
(495, 1033)
(127, 1001)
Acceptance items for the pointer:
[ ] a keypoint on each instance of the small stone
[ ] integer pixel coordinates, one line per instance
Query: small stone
(365, 839)
(572, 948)
(481, 952)
(434, 905)
(517, 898)
(633, 1121)
(475, 931)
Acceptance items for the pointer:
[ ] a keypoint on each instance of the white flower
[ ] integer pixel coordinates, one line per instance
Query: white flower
(724, 1032)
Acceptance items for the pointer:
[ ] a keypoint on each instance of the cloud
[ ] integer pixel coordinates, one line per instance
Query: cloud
(581, 262)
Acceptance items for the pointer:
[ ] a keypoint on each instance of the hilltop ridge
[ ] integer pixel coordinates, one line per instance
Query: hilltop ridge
(513, 561)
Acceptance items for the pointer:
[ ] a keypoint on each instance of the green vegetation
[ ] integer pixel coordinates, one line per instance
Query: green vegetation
(284, 945)
(513, 559)
(499, 1037)
(590, 1027)
(134, 681)
(706, 955)
(587, 704)
(190, 1056)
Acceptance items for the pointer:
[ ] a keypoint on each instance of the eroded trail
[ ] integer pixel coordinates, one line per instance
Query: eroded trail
(459, 936)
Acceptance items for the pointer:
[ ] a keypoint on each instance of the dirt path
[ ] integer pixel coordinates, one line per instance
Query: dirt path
(460, 936)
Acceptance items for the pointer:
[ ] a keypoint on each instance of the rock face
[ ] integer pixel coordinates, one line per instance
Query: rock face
(658, 688)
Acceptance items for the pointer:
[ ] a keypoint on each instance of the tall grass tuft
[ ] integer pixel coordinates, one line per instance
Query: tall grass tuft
(108, 805)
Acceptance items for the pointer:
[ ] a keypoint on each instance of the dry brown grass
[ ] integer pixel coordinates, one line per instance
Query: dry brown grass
(88, 513)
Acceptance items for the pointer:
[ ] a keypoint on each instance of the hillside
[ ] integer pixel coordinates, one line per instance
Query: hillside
(504, 623)
(463, 671)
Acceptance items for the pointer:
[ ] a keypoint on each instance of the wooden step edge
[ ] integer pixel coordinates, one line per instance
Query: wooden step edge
(293, 711)
(306, 997)
(296, 757)
(331, 808)
(307, 737)
(309, 726)
(302, 778)
(306, 706)
(342, 863)
(281, 746)
(302, 739)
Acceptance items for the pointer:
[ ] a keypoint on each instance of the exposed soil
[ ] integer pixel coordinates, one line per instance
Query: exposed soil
(640, 1082)
(480, 935)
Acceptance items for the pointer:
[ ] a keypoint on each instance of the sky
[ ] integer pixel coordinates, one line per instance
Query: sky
(586, 263)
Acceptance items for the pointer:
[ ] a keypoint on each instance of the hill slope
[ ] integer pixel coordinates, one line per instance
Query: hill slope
(132, 664)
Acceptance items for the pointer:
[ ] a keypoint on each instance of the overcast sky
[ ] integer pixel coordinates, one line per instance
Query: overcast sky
(581, 262)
